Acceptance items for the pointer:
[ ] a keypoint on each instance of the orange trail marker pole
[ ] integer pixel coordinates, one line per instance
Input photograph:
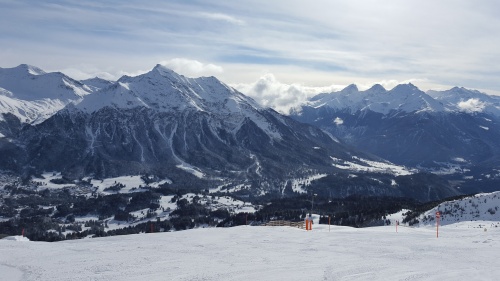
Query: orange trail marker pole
(438, 215)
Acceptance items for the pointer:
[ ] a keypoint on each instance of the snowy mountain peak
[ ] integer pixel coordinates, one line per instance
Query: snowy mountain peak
(33, 95)
(30, 69)
(31, 83)
(406, 88)
(404, 97)
(165, 71)
(377, 88)
(159, 72)
(95, 84)
(165, 90)
(350, 89)
(469, 101)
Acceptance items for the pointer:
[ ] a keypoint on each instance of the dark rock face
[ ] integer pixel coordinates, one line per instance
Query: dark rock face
(112, 142)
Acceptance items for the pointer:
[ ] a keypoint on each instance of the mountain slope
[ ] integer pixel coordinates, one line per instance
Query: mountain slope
(480, 210)
(33, 95)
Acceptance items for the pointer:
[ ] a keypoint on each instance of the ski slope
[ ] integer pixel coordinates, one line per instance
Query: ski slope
(263, 253)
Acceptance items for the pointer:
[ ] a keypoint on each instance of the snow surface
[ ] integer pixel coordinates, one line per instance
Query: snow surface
(191, 169)
(17, 238)
(480, 209)
(263, 253)
(448, 168)
(364, 165)
(299, 184)
(30, 111)
(397, 217)
(45, 180)
(131, 183)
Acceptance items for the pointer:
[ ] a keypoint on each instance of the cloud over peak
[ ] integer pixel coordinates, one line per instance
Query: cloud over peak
(471, 105)
(270, 92)
(192, 68)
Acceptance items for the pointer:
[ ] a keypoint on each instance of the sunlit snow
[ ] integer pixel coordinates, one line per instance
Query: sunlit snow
(263, 253)
(372, 166)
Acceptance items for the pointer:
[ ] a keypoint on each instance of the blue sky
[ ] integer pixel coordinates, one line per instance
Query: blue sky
(294, 47)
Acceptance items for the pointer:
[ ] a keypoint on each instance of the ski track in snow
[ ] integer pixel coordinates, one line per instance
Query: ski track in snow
(262, 253)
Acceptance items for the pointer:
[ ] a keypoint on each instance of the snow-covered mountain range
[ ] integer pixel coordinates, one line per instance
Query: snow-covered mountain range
(196, 131)
(162, 122)
(406, 98)
(470, 101)
(444, 132)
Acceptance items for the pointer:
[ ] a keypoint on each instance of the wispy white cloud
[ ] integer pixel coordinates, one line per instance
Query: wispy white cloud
(221, 17)
(192, 68)
(80, 74)
(187, 67)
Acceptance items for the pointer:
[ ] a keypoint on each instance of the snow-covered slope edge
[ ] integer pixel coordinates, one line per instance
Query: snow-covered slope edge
(480, 210)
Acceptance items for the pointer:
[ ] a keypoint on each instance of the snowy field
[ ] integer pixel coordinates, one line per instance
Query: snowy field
(264, 253)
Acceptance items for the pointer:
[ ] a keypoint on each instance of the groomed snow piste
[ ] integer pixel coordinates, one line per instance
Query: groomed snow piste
(263, 253)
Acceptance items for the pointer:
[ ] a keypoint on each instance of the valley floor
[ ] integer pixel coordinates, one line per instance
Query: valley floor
(462, 252)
